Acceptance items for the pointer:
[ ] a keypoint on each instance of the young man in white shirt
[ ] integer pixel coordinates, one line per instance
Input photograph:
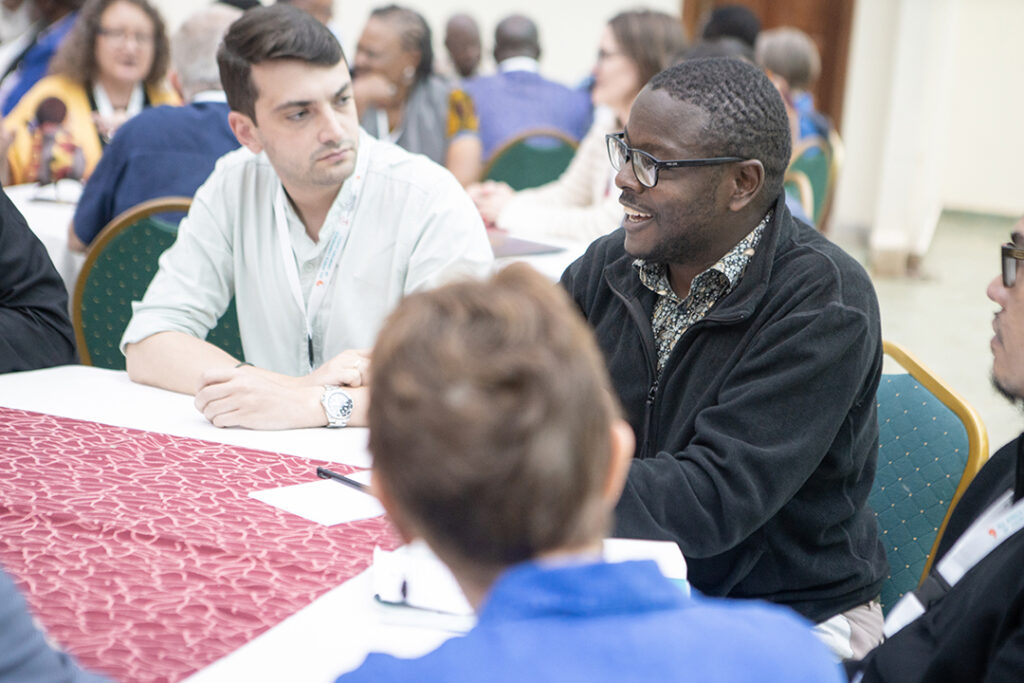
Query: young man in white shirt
(315, 228)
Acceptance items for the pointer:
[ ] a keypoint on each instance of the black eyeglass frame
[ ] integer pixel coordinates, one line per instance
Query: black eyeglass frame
(619, 142)
(1012, 255)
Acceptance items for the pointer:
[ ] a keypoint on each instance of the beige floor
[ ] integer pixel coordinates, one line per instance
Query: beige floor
(946, 319)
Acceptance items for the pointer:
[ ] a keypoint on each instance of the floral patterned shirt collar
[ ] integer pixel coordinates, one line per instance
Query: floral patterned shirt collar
(672, 316)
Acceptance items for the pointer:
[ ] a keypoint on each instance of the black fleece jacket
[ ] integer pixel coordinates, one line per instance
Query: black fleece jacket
(756, 449)
(35, 331)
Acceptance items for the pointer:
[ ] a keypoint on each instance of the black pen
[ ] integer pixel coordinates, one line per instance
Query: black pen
(325, 473)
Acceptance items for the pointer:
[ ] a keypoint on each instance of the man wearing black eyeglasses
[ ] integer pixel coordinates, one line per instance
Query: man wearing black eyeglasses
(966, 620)
(746, 350)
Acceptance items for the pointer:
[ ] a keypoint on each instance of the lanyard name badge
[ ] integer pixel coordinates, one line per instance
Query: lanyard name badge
(346, 204)
(1001, 520)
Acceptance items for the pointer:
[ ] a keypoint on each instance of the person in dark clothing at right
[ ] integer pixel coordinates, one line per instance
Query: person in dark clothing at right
(965, 623)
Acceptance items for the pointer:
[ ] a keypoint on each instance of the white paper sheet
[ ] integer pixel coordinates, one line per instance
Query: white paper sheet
(324, 639)
(414, 577)
(324, 501)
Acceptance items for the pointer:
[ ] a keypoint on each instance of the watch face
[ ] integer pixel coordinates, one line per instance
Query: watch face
(339, 405)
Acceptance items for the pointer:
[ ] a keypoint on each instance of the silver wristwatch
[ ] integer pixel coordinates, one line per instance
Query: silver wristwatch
(337, 405)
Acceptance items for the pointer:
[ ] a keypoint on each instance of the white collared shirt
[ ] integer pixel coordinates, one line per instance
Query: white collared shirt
(413, 227)
(519, 64)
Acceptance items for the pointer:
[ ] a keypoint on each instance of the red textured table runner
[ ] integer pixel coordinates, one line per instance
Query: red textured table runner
(143, 554)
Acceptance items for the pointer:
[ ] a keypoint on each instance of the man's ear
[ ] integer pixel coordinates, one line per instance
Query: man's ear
(622, 443)
(175, 80)
(379, 490)
(245, 130)
(747, 178)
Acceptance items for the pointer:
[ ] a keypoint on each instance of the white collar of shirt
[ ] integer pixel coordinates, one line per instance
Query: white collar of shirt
(105, 108)
(519, 64)
(209, 96)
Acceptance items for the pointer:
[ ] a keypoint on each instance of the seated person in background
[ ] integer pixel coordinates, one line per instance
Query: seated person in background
(726, 46)
(34, 328)
(966, 621)
(52, 20)
(731, 21)
(517, 98)
(165, 151)
(110, 67)
(792, 61)
(581, 205)
(322, 11)
(746, 350)
(401, 100)
(462, 41)
(315, 228)
(496, 439)
(25, 654)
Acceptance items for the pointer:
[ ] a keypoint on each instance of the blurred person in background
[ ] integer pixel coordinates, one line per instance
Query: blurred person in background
(793, 63)
(400, 99)
(462, 41)
(322, 11)
(735, 21)
(518, 99)
(165, 151)
(583, 203)
(26, 60)
(110, 68)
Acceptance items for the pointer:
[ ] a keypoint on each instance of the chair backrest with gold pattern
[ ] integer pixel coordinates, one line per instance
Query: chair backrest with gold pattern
(118, 268)
(931, 444)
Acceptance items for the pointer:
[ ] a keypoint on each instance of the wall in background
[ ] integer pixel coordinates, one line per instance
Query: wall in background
(982, 136)
(986, 137)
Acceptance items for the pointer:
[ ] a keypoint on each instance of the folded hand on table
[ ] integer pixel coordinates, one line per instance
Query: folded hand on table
(235, 397)
(490, 198)
(349, 368)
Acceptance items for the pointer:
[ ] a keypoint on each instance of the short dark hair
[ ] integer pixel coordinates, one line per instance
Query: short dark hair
(516, 36)
(263, 34)
(649, 39)
(490, 419)
(746, 116)
(414, 34)
(732, 20)
(76, 57)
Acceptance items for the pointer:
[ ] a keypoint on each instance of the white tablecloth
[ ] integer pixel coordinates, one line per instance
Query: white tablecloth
(109, 397)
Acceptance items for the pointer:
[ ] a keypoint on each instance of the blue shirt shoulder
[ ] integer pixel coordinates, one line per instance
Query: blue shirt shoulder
(613, 622)
(163, 151)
